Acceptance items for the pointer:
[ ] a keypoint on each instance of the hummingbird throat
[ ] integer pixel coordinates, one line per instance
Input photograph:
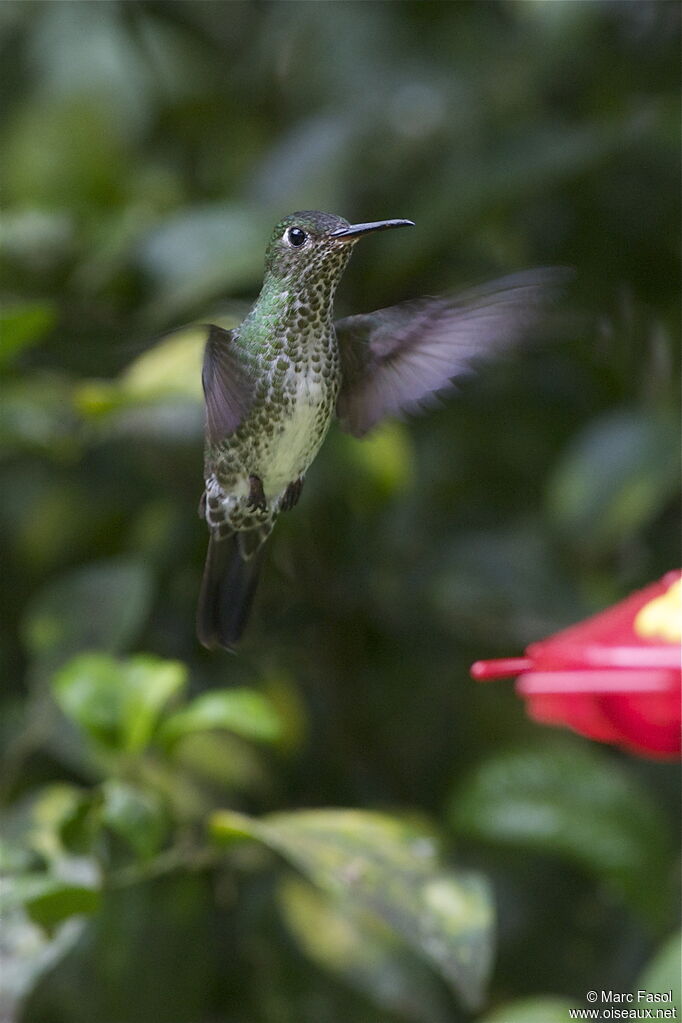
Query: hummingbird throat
(303, 296)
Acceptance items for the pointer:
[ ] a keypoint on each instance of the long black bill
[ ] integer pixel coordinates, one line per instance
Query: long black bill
(356, 230)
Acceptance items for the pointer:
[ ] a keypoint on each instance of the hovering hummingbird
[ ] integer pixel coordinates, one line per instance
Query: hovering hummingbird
(273, 384)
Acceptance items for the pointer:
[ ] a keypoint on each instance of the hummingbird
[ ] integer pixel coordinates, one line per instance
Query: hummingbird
(273, 385)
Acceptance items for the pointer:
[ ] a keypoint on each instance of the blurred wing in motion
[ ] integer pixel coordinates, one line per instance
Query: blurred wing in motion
(227, 388)
(396, 359)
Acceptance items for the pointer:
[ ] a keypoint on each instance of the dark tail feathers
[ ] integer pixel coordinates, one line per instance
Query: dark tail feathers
(227, 591)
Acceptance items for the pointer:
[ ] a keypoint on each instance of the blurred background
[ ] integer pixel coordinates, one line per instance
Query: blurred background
(146, 151)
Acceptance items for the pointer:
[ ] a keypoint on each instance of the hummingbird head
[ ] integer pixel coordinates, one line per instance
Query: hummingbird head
(313, 248)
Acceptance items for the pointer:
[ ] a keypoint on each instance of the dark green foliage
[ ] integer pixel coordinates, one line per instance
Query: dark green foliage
(167, 829)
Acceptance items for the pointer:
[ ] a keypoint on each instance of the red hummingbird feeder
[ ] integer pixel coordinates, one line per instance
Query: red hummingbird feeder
(615, 677)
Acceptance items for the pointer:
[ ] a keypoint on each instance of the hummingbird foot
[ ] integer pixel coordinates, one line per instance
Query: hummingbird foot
(256, 498)
(291, 495)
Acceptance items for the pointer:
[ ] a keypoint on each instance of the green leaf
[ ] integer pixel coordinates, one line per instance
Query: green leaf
(150, 684)
(89, 690)
(118, 703)
(574, 801)
(171, 367)
(79, 831)
(663, 974)
(244, 711)
(615, 477)
(137, 816)
(100, 606)
(532, 1010)
(21, 325)
(48, 899)
(53, 810)
(169, 370)
(388, 868)
(62, 901)
(361, 950)
(221, 760)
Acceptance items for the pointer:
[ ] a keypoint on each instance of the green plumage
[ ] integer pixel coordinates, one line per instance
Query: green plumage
(289, 378)
(274, 384)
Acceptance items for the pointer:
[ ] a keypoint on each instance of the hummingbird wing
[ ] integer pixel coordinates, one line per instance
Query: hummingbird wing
(396, 359)
(228, 390)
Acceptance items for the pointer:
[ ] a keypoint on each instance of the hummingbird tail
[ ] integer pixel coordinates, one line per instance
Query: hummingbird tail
(227, 592)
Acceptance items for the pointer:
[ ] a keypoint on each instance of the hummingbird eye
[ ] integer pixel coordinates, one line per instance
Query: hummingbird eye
(296, 236)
